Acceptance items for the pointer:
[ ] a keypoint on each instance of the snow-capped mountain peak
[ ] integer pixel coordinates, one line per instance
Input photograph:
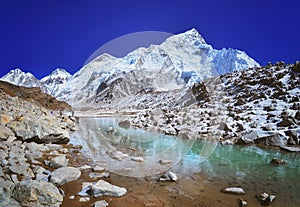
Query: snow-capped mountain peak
(52, 82)
(20, 78)
(193, 35)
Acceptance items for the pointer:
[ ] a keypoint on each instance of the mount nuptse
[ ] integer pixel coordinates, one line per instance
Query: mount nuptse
(181, 60)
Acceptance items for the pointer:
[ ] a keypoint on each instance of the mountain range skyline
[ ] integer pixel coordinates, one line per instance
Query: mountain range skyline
(41, 36)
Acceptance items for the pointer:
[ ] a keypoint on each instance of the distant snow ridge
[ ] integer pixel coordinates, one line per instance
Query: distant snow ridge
(49, 84)
(20, 78)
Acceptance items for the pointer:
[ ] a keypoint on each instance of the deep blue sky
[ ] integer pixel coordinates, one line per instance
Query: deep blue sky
(41, 35)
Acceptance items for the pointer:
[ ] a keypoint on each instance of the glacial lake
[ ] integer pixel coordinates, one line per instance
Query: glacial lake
(246, 166)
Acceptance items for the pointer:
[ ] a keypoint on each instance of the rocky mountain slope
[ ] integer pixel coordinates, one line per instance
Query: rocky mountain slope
(258, 105)
(29, 128)
(33, 95)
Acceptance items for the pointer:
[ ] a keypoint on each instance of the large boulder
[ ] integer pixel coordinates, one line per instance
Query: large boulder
(39, 131)
(272, 140)
(103, 188)
(37, 193)
(63, 175)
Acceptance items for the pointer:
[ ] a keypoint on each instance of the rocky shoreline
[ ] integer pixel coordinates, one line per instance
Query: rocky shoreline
(35, 154)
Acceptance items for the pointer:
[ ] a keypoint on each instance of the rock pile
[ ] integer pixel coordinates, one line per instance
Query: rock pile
(30, 133)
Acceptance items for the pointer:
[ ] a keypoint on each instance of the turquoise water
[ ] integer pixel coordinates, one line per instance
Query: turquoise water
(248, 166)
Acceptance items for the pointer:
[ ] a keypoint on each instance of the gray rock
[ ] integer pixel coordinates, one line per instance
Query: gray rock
(41, 173)
(63, 175)
(59, 161)
(7, 185)
(99, 175)
(39, 131)
(124, 124)
(98, 168)
(103, 188)
(18, 169)
(234, 190)
(164, 162)
(37, 193)
(6, 200)
(4, 162)
(101, 203)
(272, 140)
(5, 133)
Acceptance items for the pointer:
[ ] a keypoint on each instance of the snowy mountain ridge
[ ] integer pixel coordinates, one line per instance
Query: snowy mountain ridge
(20, 78)
(180, 61)
(48, 84)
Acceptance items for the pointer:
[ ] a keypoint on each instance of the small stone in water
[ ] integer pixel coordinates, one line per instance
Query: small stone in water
(278, 161)
(138, 159)
(163, 162)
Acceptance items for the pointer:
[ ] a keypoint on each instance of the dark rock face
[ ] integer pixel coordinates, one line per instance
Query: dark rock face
(296, 67)
(297, 115)
(34, 95)
(200, 92)
(271, 140)
(286, 122)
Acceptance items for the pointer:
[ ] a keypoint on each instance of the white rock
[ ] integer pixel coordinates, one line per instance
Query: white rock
(98, 168)
(99, 175)
(103, 188)
(85, 167)
(234, 190)
(84, 199)
(137, 159)
(101, 203)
